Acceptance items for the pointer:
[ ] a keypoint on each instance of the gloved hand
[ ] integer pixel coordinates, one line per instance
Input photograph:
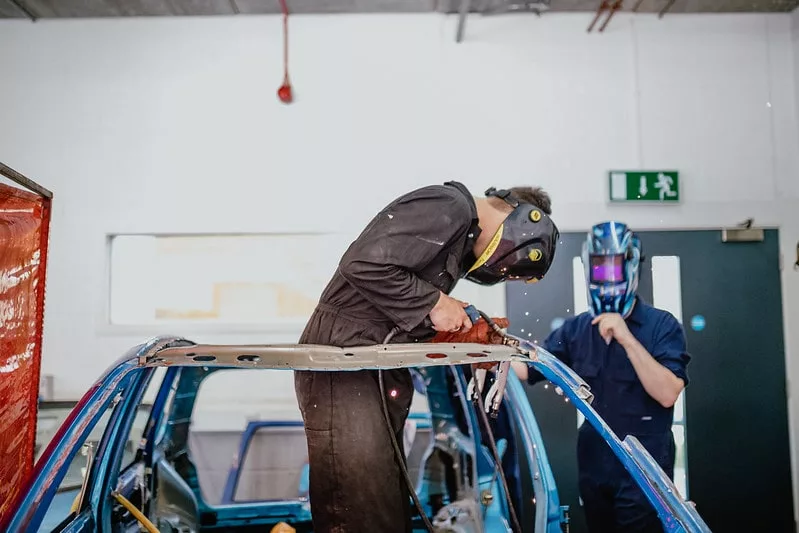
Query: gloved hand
(480, 333)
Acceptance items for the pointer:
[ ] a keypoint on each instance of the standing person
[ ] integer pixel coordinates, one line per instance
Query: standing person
(634, 358)
(399, 272)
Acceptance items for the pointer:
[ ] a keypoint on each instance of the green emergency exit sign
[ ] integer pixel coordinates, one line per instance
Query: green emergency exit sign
(651, 186)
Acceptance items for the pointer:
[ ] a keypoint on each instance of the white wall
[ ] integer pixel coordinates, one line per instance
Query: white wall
(173, 125)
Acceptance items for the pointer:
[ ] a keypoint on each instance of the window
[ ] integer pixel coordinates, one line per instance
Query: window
(227, 402)
(261, 405)
(142, 416)
(274, 465)
(226, 279)
(61, 508)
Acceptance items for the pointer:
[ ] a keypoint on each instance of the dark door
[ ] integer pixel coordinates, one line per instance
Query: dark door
(735, 452)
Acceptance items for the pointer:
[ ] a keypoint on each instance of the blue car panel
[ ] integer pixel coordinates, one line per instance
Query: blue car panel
(163, 469)
(677, 515)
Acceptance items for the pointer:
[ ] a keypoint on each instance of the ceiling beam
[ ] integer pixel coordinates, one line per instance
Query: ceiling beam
(47, 9)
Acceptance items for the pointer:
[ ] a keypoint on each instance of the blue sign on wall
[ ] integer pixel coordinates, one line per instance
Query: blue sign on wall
(697, 322)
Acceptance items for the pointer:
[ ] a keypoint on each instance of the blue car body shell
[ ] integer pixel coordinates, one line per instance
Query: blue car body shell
(123, 385)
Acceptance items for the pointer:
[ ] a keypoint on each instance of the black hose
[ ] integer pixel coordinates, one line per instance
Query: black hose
(490, 322)
(395, 444)
(492, 442)
(497, 459)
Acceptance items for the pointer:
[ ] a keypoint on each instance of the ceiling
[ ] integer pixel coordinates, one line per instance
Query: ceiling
(47, 9)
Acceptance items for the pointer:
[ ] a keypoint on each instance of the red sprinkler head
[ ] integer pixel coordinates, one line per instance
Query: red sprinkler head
(284, 93)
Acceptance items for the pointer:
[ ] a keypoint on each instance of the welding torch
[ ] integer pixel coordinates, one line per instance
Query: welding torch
(497, 391)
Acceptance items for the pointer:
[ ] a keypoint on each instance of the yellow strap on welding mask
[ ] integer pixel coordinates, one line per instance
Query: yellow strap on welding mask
(490, 249)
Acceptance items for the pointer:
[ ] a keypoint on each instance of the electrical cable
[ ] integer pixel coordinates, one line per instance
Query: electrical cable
(395, 444)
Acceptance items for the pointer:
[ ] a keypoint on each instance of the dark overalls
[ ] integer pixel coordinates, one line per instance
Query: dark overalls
(611, 499)
(391, 275)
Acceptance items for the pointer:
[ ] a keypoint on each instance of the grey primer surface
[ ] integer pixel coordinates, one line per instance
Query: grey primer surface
(738, 457)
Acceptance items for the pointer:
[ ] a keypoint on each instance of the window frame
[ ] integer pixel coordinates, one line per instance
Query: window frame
(110, 395)
(276, 330)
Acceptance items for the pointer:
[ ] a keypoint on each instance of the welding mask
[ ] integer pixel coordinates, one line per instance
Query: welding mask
(522, 248)
(611, 259)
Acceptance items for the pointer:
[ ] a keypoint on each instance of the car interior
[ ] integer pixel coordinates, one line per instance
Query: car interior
(264, 478)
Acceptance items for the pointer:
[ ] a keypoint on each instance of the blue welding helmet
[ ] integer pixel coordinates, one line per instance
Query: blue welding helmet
(611, 259)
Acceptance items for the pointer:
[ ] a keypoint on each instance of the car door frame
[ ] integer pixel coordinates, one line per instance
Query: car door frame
(551, 516)
(121, 387)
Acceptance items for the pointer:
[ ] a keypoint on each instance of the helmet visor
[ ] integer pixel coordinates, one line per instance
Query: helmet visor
(607, 268)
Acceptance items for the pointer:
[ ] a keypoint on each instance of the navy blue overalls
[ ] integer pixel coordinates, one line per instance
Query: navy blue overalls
(611, 499)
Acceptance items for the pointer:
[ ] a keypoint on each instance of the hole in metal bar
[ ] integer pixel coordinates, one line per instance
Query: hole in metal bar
(201, 358)
(348, 354)
(436, 356)
(247, 358)
(477, 355)
(190, 354)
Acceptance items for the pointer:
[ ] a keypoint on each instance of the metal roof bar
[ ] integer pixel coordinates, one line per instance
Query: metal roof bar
(331, 358)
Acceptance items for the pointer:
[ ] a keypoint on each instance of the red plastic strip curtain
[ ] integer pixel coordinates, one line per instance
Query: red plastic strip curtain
(24, 223)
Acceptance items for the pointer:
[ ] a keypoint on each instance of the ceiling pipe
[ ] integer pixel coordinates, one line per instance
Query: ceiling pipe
(602, 7)
(616, 7)
(25, 9)
(665, 8)
(464, 11)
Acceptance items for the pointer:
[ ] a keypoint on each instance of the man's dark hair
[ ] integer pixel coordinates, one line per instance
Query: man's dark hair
(534, 195)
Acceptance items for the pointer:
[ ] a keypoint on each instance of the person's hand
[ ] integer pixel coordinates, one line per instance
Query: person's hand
(480, 333)
(612, 326)
(449, 315)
